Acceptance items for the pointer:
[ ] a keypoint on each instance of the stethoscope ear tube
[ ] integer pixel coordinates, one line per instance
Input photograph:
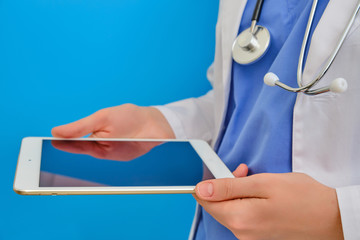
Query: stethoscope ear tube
(338, 85)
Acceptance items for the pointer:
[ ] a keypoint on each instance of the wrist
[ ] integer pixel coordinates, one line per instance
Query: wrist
(158, 125)
(333, 217)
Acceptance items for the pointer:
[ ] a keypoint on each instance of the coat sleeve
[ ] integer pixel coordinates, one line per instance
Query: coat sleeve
(349, 199)
(192, 117)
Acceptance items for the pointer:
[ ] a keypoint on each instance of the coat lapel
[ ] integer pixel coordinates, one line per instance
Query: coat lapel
(232, 14)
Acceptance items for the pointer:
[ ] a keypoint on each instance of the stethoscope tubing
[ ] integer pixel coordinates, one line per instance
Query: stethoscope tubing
(304, 43)
(257, 10)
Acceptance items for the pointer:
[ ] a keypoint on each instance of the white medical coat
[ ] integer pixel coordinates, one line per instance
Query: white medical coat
(326, 127)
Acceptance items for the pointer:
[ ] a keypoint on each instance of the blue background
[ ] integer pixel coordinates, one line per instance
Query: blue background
(63, 60)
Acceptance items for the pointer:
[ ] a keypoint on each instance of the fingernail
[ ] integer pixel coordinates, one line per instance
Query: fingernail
(206, 189)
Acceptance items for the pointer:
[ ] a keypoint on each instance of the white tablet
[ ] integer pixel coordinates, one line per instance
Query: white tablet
(51, 166)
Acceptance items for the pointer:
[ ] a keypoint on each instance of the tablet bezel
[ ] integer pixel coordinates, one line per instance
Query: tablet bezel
(29, 161)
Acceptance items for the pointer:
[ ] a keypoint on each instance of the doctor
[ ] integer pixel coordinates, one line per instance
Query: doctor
(296, 157)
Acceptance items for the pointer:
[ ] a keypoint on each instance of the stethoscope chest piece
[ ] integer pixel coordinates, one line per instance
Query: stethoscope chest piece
(250, 45)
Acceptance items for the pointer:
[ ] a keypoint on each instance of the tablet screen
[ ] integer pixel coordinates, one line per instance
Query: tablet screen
(74, 163)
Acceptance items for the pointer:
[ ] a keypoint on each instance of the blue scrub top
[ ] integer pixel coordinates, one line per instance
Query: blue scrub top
(259, 118)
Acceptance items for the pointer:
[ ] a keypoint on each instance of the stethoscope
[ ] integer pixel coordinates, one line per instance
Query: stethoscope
(251, 44)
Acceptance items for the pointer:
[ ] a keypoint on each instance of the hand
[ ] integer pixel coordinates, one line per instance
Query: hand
(272, 206)
(125, 121)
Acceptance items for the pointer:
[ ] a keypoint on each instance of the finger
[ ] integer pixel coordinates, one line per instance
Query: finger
(241, 171)
(81, 127)
(216, 209)
(226, 212)
(232, 188)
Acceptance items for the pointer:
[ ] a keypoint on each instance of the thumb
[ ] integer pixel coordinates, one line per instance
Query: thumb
(232, 188)
(81, 127)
